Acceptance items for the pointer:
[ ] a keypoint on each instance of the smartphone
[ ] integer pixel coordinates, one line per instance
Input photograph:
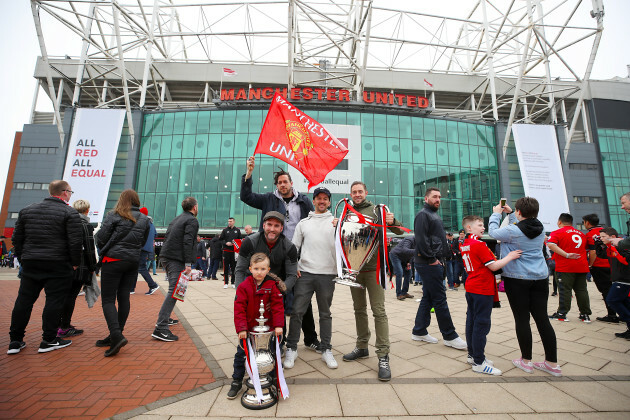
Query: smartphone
(503, 201)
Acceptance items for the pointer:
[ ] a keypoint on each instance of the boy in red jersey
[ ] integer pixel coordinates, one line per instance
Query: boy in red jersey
(569, 247)
(480, 264)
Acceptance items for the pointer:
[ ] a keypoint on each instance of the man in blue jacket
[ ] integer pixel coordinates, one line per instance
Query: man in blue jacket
(295, 206)
(145, 255)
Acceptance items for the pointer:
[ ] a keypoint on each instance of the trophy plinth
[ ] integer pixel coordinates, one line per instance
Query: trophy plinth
(260, 338)
(349, 278)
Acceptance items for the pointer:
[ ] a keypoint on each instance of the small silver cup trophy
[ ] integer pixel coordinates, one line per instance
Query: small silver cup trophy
(358, 242)
(261, 338)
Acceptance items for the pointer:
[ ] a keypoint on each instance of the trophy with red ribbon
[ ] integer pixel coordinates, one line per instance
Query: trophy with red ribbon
(357, 238)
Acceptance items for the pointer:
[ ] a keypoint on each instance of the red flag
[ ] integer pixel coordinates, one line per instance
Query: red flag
(292, 136)
(237, 245)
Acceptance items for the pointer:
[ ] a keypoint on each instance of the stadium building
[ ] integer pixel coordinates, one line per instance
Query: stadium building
(421, 100)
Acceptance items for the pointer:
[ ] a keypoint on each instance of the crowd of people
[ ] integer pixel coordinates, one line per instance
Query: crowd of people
(293, 256)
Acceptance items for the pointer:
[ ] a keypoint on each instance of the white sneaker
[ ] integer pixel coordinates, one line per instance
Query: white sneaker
(487, 369)
(426, 338)
(328, 357)
(471, 361)
(233, 287)
(456, 343)
(225, 286)
(289, 358)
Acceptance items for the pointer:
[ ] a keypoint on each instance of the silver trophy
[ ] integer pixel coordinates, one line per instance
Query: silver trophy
(260, 338)
(359, 241)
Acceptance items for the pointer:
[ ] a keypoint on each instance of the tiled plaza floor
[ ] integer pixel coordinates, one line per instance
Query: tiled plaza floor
(78, 381)
(429, 380)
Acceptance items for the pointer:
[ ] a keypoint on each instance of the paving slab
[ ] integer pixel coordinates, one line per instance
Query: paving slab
(321, 398)
(198, 405)
(543, 397)
(370, 400)
(483, 398)
(596, 395)
(430, 399)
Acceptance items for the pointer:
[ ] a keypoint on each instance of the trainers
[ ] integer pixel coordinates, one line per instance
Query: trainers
(559, 317)
(115, 348)
(328, 357)
(525, 367)
(456, 343)
(544, 366)
(153, 290)
(289, 358)
(471, 361)
(625, 334)
(69, 332)
(427, 338)
(233, 286)
(105, 342)
(15, 347)
(57, 343)
(384, 372)
(608, 318)
(235, 388)
(585, 318)
(172, 321)
(315, 346)
(225, 286)
(486, 368)
(133, 292)
(164, 335)
(355, 354)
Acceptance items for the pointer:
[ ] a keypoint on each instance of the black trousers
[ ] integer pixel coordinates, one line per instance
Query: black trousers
(56, 289)
(229, 265)
(529, 297)
(117, 280)
(601, 277)
(68, 305)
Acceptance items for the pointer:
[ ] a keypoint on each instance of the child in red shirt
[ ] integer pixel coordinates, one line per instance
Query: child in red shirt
(480, 264)
(261, 285)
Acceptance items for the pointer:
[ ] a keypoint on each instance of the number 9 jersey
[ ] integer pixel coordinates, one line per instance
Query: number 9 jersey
(572, 241)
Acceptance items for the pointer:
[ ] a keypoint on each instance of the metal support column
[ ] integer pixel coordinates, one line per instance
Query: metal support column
(84, 49)
(149, 57)
(489, 54)
(123, 72)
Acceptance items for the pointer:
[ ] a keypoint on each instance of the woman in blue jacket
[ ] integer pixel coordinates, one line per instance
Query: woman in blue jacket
(526, 280)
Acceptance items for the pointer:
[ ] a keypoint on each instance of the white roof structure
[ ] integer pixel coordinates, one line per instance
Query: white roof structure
(511, 60)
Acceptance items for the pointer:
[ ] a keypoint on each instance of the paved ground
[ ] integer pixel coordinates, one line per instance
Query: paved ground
(428, 379)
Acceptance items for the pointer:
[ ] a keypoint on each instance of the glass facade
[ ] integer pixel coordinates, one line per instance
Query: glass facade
(203, 154)
(614, 146)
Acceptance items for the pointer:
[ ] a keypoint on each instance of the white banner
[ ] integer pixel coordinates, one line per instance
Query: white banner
(348, 170)
(91, 156)
(541, 170)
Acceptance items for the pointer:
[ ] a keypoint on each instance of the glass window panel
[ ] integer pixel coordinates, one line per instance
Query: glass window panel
(216, 122)
(353, 118)
(367, 125)
(417, 128)
(203, 122)
(430, 152)
(240, 145)
(481, 135)
(406, 151)
(483, 157)
(239, 167)
(431, 177)
(393, 178)
(251, 216)
(28, 185)
(179, 123)
(227, 145)
(229, 121)
(173, 176)
(188, 146)
(145, 148)
(404, 126)
(199, 174)
(380, 125)
(255, 120)
(407, 214)
(440, 130)
(417, 148)
(472, 134)
(325, 117)
(406, 179)
(223, 205)
(176, 147)
(158, 125)
(380, 148)
(165, 147)
(392, 126)
(171, 208)
(190, 126)
(147, 125)
(252, 141)
(162, 176)
(339, 117)
(368, 176)
(474, 156)
(154, 152)
(394, 204)
(201, 146)
(159, 206)
(490, 137)
(429, 129)
(151, 175)
(265, 177)
(367, 149)
(443, 178)
(452, 133)
(236, 210)
(393, 150)
(462, 132)
(442, 153)
(225, 176)
(212, 175)
(242, 121)
(185, 176)
(453, 155)
(148, 201)
(214, 145)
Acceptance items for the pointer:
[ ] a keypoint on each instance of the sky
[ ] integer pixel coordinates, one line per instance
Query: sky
(20, 50)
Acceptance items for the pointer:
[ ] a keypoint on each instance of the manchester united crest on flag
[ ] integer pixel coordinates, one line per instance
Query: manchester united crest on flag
(293, 137)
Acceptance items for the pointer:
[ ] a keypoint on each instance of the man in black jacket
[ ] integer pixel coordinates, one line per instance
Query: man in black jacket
(229, 261)
(216, 252)
(295, 206)
(202, 262)
(48, 240)
(177, 255)
(431, 248)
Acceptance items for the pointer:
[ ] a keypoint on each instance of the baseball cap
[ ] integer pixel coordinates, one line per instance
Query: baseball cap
(320, 190)
(144, 211)
(273, 215)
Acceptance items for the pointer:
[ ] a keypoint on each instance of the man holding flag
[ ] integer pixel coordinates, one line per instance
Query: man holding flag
(368, 279)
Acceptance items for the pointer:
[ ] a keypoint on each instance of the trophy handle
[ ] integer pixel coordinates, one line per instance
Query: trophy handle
(337, 207)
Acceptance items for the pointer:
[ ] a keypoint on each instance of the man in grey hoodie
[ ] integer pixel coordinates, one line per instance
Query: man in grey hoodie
(315, 237)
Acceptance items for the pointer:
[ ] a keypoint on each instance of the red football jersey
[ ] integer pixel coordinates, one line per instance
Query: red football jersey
(476, 256)
(573, 241)
(590, 245)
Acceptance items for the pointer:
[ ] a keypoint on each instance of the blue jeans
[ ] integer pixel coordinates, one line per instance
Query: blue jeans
(434, 296)
(618, 300)
(144, 272)
(402, 274)
(451, 270)
(201, 265)
(151, 265)
(418, 278)
(478, 324)
(214, 267)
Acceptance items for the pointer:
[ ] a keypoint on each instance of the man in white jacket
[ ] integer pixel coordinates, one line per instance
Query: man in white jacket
(314, 237)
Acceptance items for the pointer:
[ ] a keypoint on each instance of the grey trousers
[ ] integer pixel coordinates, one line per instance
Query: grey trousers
(323, 287)
(173, 269)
